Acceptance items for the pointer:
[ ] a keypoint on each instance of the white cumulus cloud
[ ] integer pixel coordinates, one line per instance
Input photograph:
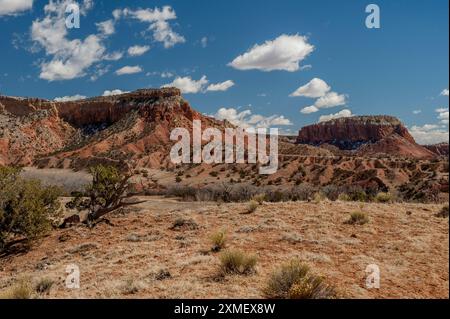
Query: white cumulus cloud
(75, 97)
(188, 85)
(137, 50)
(159, 25)
(330, 99)
(14, 7)
(69, 58)
(318, 88)
(314, 89)
(129, 70)
(429, 134)
(444, 92)
(309, 109)
(246, 119)
(284, 53)
(113, 92)
(343, 113)
(443, 115)
(106, 27)
(220, 86)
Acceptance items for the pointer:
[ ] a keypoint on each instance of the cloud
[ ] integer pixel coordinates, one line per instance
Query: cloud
(417, 112)
(429, 134)
(343, 113)
(138, 50)
(165, 75)
(188, 85)
(162, 31)
(75, 97)
(314, 89)
(204, 42)
(443, 115)
(129, 70)
(284, 53)
(114, 56)
(106, 27)
(220, 86)
(245, 119)
(330, 99)
(444, 92)
(14, 7)
(69, 58)
(113, 92)
(100, 70)
(309, 109)
(318, 88)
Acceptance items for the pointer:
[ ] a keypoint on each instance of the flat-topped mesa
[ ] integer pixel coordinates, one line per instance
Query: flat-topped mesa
(351, 132)
(96, 110)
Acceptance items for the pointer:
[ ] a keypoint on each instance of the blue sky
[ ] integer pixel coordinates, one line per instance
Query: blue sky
(240, 60)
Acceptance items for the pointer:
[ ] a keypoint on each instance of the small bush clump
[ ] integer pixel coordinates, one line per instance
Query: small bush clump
(44, 285)
(358, 218)
(252, 206)
(444, 212)
(384, 197)
(218, 240)
(237, 262)
(260, 198)
(294, 280)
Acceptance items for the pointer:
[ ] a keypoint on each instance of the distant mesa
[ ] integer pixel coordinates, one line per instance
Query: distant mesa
(365, 135)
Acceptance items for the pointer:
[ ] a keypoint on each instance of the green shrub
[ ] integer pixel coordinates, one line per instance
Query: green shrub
(218, 240)
(237, 262)
(358, 218)
(252, 206)
(344, 197)
(27, 209)
(106, 193)
(384, 197)
(294, 280)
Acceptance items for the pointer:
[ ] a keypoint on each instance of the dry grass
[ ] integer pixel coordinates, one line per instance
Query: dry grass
(23, 289)
(405, 240)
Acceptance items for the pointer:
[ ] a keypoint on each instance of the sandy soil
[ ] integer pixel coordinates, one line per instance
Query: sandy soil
(129, 259)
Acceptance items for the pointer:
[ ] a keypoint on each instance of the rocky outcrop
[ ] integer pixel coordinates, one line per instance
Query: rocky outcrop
(97, 110)
(397, 145)
(350, 133)
(441, 149)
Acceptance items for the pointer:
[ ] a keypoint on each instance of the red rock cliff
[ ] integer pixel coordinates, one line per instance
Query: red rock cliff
(352, 132)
